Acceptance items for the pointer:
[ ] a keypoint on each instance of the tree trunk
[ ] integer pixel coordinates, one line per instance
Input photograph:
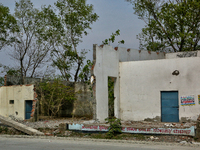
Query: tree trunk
(77, 70)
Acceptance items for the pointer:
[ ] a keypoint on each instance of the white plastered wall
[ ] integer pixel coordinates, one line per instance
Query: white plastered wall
(17, 93)
(142, 81)
(107, 64)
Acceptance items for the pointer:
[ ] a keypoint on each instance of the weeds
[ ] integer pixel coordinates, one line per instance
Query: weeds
(114, 129)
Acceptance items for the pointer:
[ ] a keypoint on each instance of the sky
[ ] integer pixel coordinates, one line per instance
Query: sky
(113, 15)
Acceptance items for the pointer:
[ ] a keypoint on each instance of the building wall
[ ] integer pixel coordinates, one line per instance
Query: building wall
(182, 54)
(106, 64)
(141, 83)
(83, 106)
(17, 93)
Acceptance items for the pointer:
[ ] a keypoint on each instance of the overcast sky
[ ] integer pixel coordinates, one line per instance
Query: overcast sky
(113, 15)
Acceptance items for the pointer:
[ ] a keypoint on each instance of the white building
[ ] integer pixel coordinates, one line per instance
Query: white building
(17, 101)
(148, 85)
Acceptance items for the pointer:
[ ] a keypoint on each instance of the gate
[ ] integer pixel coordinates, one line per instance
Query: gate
(169, 106)
(28, 109)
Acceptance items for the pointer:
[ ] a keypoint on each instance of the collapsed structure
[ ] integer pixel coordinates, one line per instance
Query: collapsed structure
(22, 102)
(148, 85)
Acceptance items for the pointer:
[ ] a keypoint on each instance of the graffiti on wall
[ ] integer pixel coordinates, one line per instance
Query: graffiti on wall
(97, 128)
(187, 100)
(187, 54)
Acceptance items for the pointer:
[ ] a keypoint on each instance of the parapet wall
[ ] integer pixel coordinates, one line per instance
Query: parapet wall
(182, 54)
(137, 55)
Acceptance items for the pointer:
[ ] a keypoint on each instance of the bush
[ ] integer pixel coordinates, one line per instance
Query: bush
(114, 129)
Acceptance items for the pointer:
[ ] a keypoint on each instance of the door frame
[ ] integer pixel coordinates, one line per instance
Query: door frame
(25, 108)
(172, 107)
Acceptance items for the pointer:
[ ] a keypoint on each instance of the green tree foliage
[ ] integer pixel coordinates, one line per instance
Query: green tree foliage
(8, 26)
(171, 25)
(53, 95)
(8, 71)
(112, 38)
(36, 38)
(51, 34)
(76, 17)
(86, 72)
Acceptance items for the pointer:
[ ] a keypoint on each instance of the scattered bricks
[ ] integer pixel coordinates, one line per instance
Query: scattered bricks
(92, 67)
(128, 50)
(116, 48)
(139, 51)
(62, 128)
(101, 46)
(149, 52)
(157, 53)
(5, 80)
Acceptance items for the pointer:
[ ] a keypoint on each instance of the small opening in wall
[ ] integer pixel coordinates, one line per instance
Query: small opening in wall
(11, 102)
(111, 98)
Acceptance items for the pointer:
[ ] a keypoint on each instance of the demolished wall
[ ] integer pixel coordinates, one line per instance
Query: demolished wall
(106, 64)
(141, 76)
(82, 106)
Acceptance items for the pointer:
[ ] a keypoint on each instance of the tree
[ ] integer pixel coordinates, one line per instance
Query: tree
(112, 38)
(65, 61)
(171, 25)
(85, 73)
(7, 26)
(76, 17)
(36, 37)
(53, 95)
(6, 70)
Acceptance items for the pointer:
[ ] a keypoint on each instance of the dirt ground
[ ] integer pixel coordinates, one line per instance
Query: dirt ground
(54, 123)
(51, 128)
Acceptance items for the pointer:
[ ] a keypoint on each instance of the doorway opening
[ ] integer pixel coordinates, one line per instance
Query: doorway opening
(169, 106)
(28, 109)
(111, 97)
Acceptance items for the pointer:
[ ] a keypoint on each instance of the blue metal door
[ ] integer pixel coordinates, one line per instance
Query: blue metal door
(28, 109)
(169, 106)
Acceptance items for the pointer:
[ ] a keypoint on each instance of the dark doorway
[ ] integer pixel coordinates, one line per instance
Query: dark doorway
(28, 108)
(111, 98)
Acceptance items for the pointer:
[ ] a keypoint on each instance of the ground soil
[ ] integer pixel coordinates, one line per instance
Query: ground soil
(51, 128)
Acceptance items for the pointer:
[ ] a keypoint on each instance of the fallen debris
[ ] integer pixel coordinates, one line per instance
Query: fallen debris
(19, 126)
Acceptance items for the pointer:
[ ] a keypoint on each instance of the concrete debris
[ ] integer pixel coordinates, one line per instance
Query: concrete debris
(153, 138)
(168, 125)
(68, 133)
(19, 126)
(196, 143)
(183, 142)
(89, 122)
